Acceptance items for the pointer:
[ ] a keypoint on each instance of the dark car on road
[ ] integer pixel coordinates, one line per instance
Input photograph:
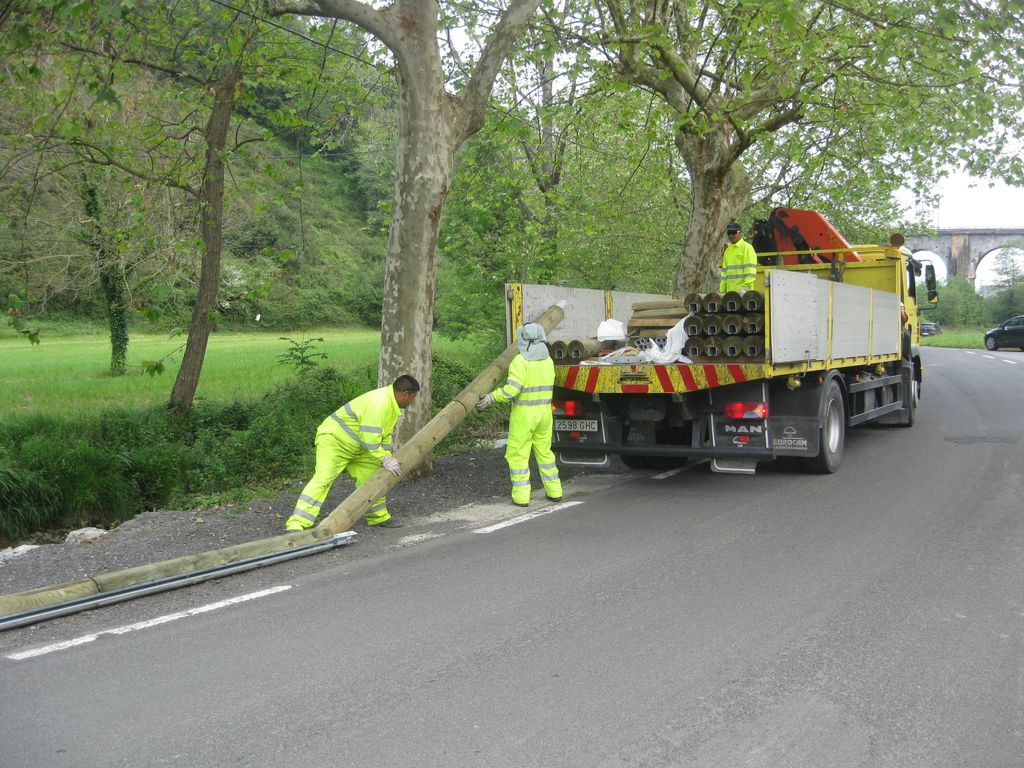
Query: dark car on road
(930, 329)
(1007, 334)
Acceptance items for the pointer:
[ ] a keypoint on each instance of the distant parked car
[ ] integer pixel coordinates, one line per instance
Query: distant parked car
(1010, 333)
(930, 329)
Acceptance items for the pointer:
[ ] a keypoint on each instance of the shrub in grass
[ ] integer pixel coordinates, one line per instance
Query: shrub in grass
(277, 441)
(102, 469)
(91, 481)
(157, 471)
(27, 502)
(450, 377)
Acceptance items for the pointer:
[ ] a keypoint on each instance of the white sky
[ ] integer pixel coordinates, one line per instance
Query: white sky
(969, 202)
(973, 203)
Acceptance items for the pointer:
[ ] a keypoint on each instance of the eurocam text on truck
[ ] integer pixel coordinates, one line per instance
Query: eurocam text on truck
(827, 339)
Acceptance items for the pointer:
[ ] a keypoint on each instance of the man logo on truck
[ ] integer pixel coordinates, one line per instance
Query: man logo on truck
(743, 429)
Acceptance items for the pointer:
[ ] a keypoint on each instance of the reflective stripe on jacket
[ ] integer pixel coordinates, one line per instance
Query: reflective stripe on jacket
(530, 383)
(739, 266)
(366, 422)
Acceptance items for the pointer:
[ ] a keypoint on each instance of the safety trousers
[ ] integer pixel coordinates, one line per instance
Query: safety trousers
(332, 458)
(529, 429)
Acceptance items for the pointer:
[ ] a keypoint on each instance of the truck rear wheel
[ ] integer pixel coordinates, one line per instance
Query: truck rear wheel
(909, 404)
(831, 433)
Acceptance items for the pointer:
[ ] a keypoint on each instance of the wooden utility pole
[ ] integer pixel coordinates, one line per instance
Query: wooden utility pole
(339, 520)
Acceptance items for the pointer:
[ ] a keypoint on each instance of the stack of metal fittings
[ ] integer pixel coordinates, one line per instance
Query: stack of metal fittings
(725, 326)
(581, 349)
(574, 351)
(559, 352)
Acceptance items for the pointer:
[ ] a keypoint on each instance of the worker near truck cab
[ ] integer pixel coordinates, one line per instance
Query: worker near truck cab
(356, 438)
(739, 262)
(530, 383)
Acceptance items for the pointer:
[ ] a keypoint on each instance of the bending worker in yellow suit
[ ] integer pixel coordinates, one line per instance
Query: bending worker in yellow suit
(356, 438)
(531, 379)
(739, 262)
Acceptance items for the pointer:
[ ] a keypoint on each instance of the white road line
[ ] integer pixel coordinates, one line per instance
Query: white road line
(1011, 362)
(990, 357)
(21, 655)
(666, 475)
(527, 516)
(969, 353)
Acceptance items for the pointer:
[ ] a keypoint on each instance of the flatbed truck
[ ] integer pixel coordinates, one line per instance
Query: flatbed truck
(841, 349)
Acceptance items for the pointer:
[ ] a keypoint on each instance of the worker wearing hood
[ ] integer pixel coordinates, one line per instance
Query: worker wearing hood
(530, 383)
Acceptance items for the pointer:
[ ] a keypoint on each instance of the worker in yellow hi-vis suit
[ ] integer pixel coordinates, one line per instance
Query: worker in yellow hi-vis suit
(739, 262)
(531, 379)
(356, 438)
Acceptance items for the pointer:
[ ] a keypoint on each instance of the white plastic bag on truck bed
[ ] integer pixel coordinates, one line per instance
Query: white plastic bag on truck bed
(675, 340)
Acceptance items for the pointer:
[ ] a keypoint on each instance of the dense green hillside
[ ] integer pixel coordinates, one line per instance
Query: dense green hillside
(297, 252)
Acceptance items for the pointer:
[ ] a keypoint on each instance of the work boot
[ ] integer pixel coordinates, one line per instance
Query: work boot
(554, 498)
(391, 522)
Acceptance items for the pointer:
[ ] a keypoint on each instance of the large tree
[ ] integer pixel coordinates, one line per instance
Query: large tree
(901, 86)
(433, 123)
(166, 95)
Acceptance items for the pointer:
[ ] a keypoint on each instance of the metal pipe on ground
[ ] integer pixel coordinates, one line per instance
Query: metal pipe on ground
(100, 599)
(340, 519)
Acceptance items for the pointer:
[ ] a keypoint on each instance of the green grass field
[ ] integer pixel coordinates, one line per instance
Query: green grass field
(71, 372)
(961, 338)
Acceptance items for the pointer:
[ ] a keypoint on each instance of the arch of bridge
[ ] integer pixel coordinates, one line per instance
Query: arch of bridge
(963, 249)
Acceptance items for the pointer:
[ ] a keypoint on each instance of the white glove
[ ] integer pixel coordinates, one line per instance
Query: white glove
(390, 463)
(485, 401)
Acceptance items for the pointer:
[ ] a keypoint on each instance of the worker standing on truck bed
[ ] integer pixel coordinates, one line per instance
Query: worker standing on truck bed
(356, 438)
(531, 379)
(739, 262)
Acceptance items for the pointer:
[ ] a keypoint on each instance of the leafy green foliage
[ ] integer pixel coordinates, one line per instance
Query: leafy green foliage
(300, 354)
(24, 500)
(609, 222)
(850, 99)
(14, 312)
(99, 470)
(959, 305)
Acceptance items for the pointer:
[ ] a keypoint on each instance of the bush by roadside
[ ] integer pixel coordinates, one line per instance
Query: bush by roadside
(67, 471)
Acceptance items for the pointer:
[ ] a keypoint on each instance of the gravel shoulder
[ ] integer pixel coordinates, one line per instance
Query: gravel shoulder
(469, 478)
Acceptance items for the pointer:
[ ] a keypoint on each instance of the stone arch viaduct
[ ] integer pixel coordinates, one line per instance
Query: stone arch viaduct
(963, 249)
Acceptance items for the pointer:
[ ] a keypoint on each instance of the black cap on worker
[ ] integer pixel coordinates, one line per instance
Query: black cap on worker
(731, 228)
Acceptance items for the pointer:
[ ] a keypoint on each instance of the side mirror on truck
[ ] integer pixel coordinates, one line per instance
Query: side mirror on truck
(929, 284)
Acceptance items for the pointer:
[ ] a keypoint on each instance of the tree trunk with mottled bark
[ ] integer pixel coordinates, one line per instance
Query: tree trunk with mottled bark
(424, 166)
(433, 124)
(718, 196)
(211, 201)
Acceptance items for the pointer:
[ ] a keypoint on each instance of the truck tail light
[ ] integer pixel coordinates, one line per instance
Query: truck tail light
(571, 408)
(738, 410)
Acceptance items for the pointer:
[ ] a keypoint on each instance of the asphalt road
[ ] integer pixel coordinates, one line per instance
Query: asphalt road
(874, 617)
